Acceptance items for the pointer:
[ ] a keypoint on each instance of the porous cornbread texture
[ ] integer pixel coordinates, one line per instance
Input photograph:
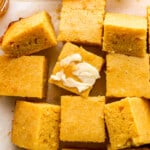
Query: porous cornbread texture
(127, 75)
(24, 76)
(125, 34)
(128, 122)
(82, 21)
(29, 35)
(68, 50)
(36, 126)
(148, 19)
(82, 119)
(84, 4)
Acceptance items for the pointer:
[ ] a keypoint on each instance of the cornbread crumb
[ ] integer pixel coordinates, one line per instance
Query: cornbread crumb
(24, 76)
(29, 35)
(125, 34)
(123, 121)
(36, 126)
(73, 28)
(84, 4)
(82, 119)
(127, 75)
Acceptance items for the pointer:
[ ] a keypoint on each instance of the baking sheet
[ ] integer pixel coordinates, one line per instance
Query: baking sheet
(24, 8)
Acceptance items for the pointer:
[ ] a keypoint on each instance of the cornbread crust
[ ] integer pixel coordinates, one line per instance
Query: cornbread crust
(127, 76)
(73, 28)
(36, 126)
(24, 76)
(29, 35)
(128, 122)
(125, 34)
(85, 124)
(69, 49)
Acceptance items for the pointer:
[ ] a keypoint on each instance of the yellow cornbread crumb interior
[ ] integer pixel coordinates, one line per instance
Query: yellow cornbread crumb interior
(125, 34)
(84, 4)
(36, 125)
(24, 76)
(80, 122)
(128, 122)
(29, 35)
(127, 75)
(73, 28)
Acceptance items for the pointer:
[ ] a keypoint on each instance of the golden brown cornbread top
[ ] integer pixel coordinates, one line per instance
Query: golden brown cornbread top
(15, 28)
(24, 75)
(35, 125)
(40, 105)
(126, 21)
(84, 4)
(90, 121)
(86, 56)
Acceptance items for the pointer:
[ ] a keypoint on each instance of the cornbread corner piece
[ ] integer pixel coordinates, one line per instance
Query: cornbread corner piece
(76, 69)
(123, 121)
(73, 28)
(24, 76)
(29, 35)
(148, 19)
(82, 119)
(36, 126)
(127, 76)
(125, 34)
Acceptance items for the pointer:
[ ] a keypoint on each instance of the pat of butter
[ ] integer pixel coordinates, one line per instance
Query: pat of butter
(84, 71)
(59, 76)
(70, 82)
(72, 58)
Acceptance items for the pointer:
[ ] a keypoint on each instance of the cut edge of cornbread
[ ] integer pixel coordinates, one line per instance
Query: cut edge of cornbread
(132, 132)
(18, 77)
(42, 113)
(71, 31)
(118, 85)
(125, 34)
(70, 103)
(29, 35)
(84, 4)
(45, 75)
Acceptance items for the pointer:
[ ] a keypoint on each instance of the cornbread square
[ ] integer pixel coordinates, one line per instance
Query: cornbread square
(125, 34)
(29, 35)
(82, 119)
(127, 75)
(61, 73)
(24, 76)
(73, 28)
(148, 19)
(128, 122)
(84, 4)
(36, 126)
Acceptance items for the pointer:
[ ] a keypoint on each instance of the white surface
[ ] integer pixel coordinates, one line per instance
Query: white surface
(23, 8)
(135, 7)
